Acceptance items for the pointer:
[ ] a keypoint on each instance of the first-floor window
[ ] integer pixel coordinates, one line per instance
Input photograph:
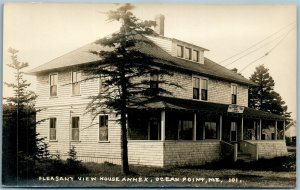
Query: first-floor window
(210, 130)
(75, 128)
(185, 130)
(52, 129)
(103, 128)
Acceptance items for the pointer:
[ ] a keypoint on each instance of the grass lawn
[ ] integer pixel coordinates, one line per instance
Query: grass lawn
(265, 173)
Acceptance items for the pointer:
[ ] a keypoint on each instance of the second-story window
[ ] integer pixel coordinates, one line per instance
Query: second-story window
(154, 83)
(233, 94)
(203, 89)
(188, 53)
(179, 51)
(196, 88)
(53, 84)
(76, 77)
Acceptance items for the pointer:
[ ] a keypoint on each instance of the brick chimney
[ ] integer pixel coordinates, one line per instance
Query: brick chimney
(160, 24)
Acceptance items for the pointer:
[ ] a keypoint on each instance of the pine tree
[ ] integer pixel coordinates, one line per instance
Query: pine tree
(22, 145)
(263, 97)
(125, 71)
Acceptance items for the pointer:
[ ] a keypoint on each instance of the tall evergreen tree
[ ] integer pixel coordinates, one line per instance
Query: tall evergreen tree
(125, 71)
(21, 141)
(263, 97)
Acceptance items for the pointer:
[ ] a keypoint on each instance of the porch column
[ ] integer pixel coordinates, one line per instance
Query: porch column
(242, 129)
(195, 127)
(275, 130)
(220, 131)
(260, 129)
(163, 125)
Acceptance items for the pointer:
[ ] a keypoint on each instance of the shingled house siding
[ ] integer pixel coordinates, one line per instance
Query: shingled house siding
(271, 149)
(88, 145)
(190, 153)
(64, 90)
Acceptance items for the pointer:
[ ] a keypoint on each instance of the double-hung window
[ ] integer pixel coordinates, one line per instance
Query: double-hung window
(188, 53)
(179, 51)
(196, 88)
(203, 89)
(52, 125)
(196, 55)
(233, 94)
(103, 128)
(76, 77)
(75, 128)
(53, 84)
(210, 130)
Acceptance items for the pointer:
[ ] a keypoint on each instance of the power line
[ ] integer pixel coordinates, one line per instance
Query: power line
(257, 42)
(267, 53)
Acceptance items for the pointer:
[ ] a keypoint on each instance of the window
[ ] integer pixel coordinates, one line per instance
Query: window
(154, 129)
(185, 130)
(203, 89)
(76, 77)
(195, 55)
(154, 84)
(75, 128)
(179, 51)
(52, 129)
(196, 88)
(210, 130)
(103, 128)
(53, 84)
(233, 94)
(188, 53)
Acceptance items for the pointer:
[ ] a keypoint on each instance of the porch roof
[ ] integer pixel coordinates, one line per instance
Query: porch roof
(170, 103)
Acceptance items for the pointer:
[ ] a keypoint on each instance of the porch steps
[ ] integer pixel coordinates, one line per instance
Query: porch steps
(244, 157)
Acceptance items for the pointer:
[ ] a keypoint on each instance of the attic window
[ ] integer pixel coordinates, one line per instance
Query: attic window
(188, 53)
(196, 55)
(179, 51)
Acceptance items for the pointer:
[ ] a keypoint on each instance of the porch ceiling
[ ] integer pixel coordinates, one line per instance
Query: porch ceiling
(169, 103)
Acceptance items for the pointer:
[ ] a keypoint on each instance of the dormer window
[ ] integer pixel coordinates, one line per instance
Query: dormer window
(179, 51)
(196, 55)
(188, 53)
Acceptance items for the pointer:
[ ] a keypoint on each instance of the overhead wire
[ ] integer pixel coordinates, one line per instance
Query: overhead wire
(267, 53)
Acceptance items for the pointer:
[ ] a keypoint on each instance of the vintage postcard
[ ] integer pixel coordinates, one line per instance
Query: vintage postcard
(149, 95)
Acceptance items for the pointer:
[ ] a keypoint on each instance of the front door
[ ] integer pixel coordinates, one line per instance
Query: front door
(233, 131)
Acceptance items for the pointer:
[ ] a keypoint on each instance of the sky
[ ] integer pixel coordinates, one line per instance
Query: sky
(44, 31)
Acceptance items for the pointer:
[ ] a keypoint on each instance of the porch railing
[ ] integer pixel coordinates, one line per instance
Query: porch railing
(249, 148)
(228, 151)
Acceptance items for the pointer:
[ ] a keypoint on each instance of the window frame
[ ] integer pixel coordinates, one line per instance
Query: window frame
(181, 49)
(154, 90)
(234, 96)
(53, 96)
(100, 115)
(188, 53)
(50, 119)
(197, 55)
(75, 140)
(200, 88)
(198, 94)
(76, 82)
(181, 128)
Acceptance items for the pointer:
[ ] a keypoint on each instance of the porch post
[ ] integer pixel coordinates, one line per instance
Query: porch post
(275, 130)
(259, 129)
(242, 129)
(163, 125)
(220, 131)
(195, 127)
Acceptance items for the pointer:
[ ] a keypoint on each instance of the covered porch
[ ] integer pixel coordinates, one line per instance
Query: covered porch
(170, 131)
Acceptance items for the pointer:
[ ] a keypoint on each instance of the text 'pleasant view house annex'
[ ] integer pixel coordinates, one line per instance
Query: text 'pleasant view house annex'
(205, 120)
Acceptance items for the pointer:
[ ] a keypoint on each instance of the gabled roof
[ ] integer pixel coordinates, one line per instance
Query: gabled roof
(170, 103)
(82, 55)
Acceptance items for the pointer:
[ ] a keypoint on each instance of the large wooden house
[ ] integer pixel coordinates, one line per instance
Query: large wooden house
(205, 120)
